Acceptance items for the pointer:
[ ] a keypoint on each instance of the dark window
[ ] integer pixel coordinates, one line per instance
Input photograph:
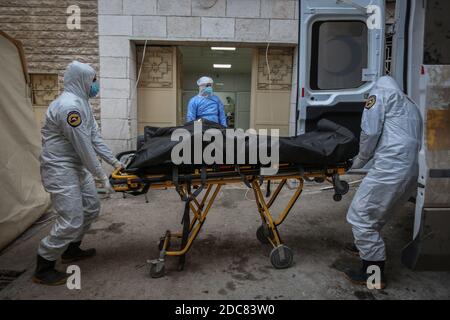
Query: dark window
(339, 54)
(437, 32)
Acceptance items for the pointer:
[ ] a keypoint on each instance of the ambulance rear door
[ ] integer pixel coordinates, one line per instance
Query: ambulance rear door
(341, 55)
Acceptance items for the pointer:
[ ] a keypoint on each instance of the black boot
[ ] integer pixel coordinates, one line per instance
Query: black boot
(74, 253)
(352, 249)
(46, 274)
(360, 276)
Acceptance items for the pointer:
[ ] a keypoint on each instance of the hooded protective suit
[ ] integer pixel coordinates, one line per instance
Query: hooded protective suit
(391, 135)
(70, 144)
(206, 106)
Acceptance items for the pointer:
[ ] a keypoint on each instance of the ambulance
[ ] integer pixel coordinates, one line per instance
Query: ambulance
(345, 46)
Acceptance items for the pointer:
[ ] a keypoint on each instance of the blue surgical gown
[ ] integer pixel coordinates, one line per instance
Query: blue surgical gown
(210, 108)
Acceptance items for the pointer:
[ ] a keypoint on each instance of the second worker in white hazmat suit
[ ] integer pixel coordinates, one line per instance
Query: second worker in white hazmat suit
(70, 144)
(391, 135)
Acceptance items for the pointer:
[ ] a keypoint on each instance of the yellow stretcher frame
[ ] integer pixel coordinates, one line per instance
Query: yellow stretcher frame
(281, 256)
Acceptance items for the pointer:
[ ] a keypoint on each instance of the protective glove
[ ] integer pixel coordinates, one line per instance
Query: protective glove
(118, 165)
(358, 163)
(107, 185)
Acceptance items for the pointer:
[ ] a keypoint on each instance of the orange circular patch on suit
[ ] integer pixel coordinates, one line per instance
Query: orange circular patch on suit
(74, 119)
(371, 102)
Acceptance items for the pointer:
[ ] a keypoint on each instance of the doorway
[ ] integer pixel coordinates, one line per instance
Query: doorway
(254, 84)
(231, 70)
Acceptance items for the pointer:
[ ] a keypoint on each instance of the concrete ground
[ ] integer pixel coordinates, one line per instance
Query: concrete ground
(226, 261)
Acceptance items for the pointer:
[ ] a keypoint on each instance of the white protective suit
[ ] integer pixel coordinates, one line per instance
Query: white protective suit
(391, 135)
(70, 144)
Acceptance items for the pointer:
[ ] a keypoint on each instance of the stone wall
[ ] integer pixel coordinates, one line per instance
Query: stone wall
(122, 23)
(225, 20)
(49, 45)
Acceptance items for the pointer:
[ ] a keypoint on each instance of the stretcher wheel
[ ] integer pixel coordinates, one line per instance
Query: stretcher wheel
(341, 187)
(263, 233)
(345, 187)
(337, 197)
(281, 257)
(157, 269)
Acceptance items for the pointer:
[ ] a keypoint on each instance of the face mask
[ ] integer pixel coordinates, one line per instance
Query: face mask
(95, 88)
(208, 91)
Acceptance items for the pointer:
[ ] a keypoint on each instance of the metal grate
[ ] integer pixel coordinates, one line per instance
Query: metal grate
(388, 54)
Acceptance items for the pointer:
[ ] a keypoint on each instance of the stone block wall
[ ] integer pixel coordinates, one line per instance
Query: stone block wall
(48, 44)
(246, 20)
(123, 23)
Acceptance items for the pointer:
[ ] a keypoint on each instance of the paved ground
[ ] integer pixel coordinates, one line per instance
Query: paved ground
(226, 261)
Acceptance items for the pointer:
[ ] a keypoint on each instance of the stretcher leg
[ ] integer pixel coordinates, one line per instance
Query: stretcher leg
(265, 212)
(185, 232)
(264, 232)
(281, 256)
(210, 184)
(276, 192)
(196, 209)
(195, 206)
(292, 201)
(191, 228)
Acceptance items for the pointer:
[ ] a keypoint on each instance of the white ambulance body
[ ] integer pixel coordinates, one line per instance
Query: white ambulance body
(341, 54)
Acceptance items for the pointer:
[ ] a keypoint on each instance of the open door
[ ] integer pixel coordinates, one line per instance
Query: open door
(158, 93)
(341, 56)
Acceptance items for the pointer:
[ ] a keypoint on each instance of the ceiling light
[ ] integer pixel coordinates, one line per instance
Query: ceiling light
(224, 48)
(221, 66)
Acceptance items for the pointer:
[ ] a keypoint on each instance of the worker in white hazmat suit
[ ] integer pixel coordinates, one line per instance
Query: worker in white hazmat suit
(70, 144)
(391, 135)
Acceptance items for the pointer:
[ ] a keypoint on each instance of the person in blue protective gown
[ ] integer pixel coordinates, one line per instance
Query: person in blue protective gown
(206, 105)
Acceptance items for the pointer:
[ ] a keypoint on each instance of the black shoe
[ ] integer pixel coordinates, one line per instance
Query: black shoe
(360, 276)
(46, 274)
(74, 253)
(352, 249)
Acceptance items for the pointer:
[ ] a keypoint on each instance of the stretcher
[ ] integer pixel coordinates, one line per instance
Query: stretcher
(198, 187)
